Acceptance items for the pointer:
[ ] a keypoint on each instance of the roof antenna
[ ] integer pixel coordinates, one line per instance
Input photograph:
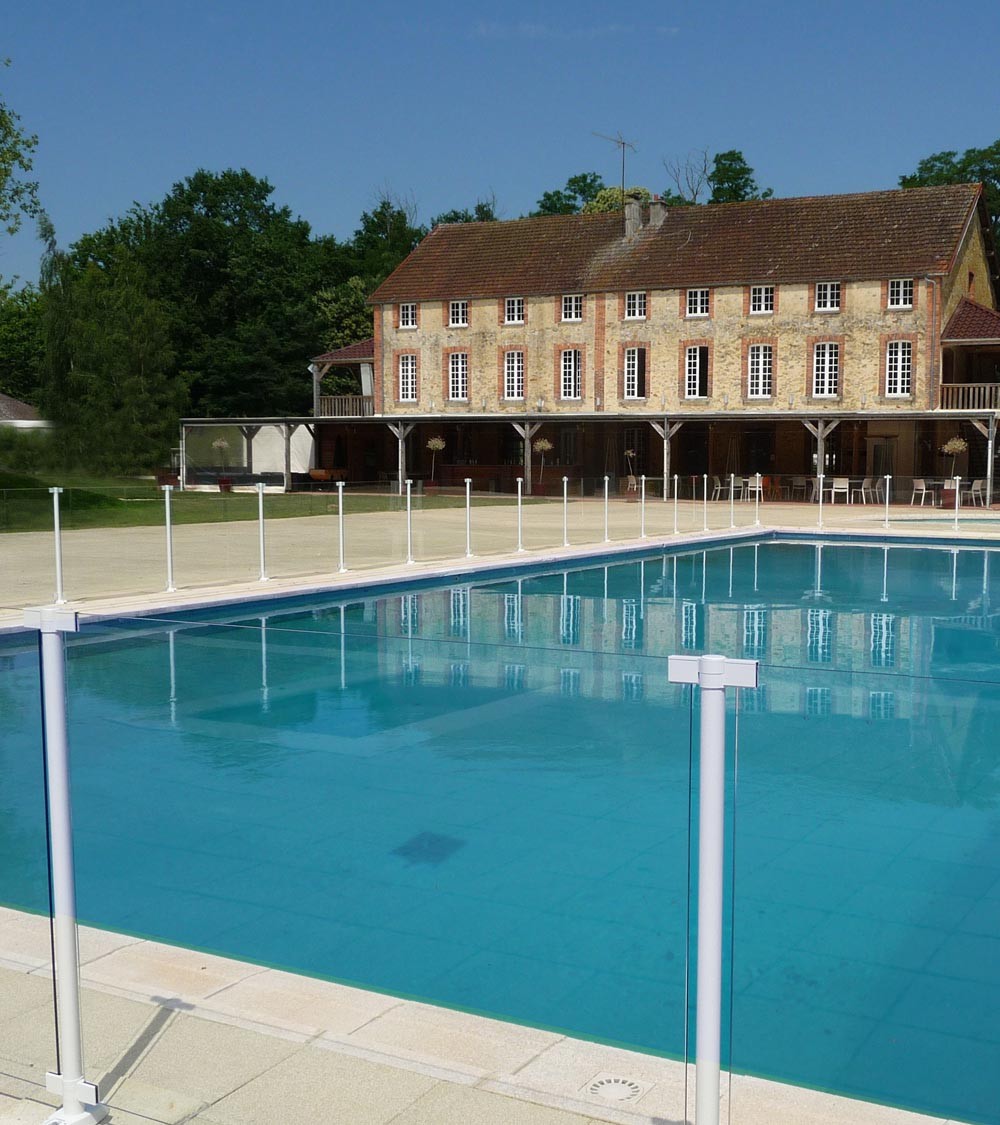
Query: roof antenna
(623, 144)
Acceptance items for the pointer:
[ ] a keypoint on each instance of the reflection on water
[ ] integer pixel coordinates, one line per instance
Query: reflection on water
(478, 793)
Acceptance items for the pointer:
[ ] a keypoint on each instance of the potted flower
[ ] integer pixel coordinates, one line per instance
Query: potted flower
(221, 446)
(542, 446)
(952, 448)
(435, 445)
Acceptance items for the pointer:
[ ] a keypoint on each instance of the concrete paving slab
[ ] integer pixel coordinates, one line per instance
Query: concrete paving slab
(455, 1105)
(320, 1086)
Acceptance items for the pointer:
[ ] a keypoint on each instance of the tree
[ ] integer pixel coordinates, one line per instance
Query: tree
(386, 235)
(570, 200)
(18, 196)
(975, 165)
(21, 345)
(732, 179)
(485, 211)
(610, 199)
(689, 177)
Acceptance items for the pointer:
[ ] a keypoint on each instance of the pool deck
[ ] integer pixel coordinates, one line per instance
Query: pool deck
(172, 1035)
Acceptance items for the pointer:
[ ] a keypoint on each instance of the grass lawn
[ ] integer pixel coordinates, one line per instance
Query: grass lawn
(26, 505)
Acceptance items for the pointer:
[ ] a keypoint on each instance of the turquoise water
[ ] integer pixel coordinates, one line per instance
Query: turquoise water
(479, 795)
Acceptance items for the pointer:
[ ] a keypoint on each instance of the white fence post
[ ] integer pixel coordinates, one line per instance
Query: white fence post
(168, 524)
(520, 526)
(606, 538)
(820, 482)
(756, 504)
(704, 502)
(468, 517)
(57, 531)
(409, 521)
(80, 1099)
(340, 522)
(958, 497)
(260, 531)
(565, 511)
(642, 507)
(888, 489)
(713, 674)
(675, 503)
(732, 489)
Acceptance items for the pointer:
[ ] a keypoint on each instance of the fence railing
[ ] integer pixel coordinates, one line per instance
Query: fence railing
(346, 406)
(970, 396)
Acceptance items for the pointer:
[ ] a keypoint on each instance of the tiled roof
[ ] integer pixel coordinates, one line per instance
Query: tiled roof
(362, 351)
(905, 233)
(972, 321)
(13, 410)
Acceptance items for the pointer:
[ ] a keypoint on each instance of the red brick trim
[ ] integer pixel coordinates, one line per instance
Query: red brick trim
(772, 341)
(885, 294)
(885, 340)
(682, 347)
(684, 300)
(811, 342)
(557, 351)
(621, 367)
(600, 349)
(446, 353)
(379, 312)
(747, 295)
(396, 353)
(501, 310)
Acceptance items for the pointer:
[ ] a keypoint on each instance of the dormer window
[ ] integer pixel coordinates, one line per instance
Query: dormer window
(458, 314)
(572, 306)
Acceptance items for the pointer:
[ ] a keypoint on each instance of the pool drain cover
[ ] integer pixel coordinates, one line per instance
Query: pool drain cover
(613, 1088)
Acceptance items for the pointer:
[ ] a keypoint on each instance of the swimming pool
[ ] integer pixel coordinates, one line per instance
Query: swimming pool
(478, 794)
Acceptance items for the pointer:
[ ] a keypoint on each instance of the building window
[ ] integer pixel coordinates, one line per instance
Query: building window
(408, 315)
(760, 368)
(826, 370)
(569, 619)
(572, 306)
(515, 676)
(697, 302)
(819, 702)
(883, 630)
(632, 687)
(828, 296)
(696, 372)
(689, 625)
(755, 633)
(635, 306)
(409, 615)
(819, 636)
(569, 681)
(513, 310)
(458, 676)
(410, 672)
(572, 381)
(635, 372)
(901, 293)
(631, 626)
(458, 314)
(753, 701)
(513, 617)
(898, 368)
(458, 376)
(881, 705)
(513, 375)
(761, 299)
(407, 378)
(459, 611)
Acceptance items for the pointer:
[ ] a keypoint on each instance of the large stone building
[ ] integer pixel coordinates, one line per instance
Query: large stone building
(847, 334)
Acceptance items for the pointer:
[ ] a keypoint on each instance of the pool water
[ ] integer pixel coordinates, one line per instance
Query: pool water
(479, 795)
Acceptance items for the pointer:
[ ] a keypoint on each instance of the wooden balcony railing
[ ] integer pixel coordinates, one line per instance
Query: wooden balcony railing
(970, 396)
(346, 406)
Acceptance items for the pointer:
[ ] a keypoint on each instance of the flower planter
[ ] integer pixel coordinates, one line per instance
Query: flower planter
(225, 484)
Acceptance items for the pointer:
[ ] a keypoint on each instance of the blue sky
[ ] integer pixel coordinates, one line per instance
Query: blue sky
(440, 104)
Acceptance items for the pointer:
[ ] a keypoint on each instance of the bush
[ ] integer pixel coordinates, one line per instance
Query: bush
(26, 451)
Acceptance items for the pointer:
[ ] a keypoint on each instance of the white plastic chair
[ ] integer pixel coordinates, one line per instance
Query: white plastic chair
(798, 485)
(753, 486)
(920, 486)
(717, 488)
(866, 490)
(975, 492)
(841, 487)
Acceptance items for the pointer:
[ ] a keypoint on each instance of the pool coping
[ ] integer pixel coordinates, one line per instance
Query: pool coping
(545, 1068)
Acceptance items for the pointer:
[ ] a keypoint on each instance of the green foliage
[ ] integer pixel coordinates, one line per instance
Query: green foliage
(610, 199)
(732, 179)
(21, 344)
(24, 451)
(573, 198)
(18, 196)
(975, 165)
(485, 211)
(383, 240)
